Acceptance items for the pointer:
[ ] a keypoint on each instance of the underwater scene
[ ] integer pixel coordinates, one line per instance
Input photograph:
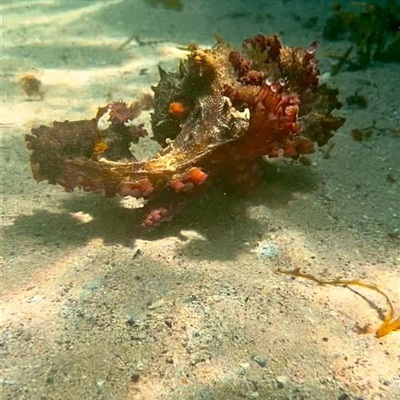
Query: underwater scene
(200, 200)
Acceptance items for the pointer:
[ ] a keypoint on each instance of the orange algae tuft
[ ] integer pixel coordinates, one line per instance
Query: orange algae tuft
(177, 108)
(197, 176)
(100, 147)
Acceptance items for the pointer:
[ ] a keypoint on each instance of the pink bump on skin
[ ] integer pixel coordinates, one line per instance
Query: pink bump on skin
(136, 193)
(289, 150)
(125, 189)
(197, 176)
(146, 223)
(148, 191)
(177, 186)
(145, 187)
(156, 217)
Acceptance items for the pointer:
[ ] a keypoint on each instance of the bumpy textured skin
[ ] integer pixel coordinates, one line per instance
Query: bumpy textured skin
(218, 115)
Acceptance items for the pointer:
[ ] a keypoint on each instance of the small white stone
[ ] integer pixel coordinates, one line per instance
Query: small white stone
(281, 381)
(157, 304)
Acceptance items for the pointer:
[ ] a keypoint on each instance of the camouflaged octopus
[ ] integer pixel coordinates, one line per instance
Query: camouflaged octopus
(218, 116)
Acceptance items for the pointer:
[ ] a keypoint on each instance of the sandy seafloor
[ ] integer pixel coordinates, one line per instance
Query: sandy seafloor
(93, 307)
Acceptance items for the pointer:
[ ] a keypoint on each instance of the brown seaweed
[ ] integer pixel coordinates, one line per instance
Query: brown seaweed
(374, 34)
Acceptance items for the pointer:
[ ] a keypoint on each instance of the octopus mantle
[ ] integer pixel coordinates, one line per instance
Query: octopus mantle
(216, 117)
